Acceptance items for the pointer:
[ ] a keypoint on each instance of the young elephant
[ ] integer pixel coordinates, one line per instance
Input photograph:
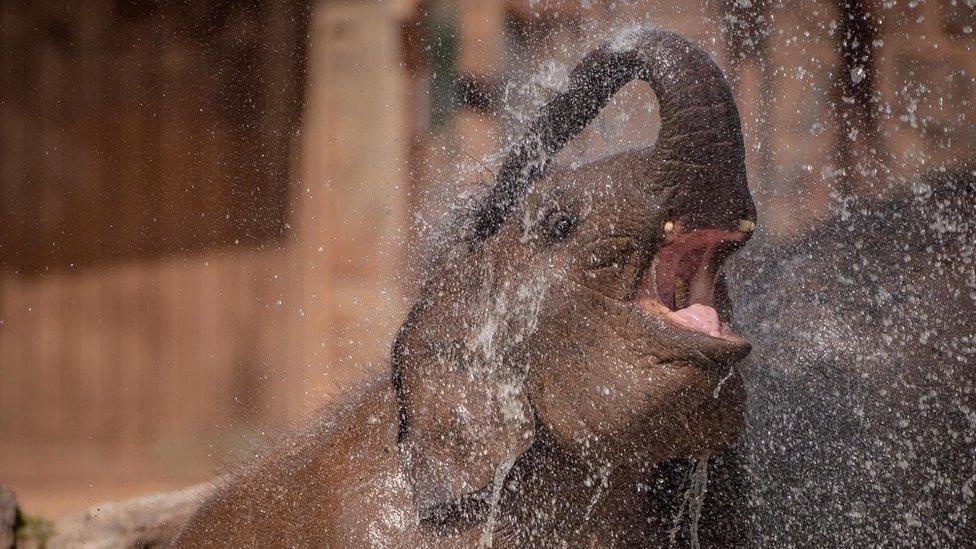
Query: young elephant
(572, 338)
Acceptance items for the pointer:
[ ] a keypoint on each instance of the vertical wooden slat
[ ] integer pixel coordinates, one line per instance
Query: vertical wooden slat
(243, 343)
(49, 192)
(32, 183)
(214, 310)
(15, 335)
(128, 189)
(260, 347)
(86, 327)
(130, 350)
(188, 199)
(281, 83)
(9, 356)
(169, 148)
(188, 353)
(14, 137)
(278, 354)
(29, 341)
(49, 357)
(194, 151)
(112, 335)
(153, 406)
(82, 207)
(107, 189)
(165, 394)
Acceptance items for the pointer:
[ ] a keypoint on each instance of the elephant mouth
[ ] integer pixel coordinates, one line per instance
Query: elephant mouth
(679, 284)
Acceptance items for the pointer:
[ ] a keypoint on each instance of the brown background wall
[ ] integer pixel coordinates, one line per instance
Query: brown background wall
(212, 213)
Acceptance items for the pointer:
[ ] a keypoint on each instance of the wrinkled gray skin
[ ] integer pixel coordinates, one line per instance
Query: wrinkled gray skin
(862, 384)
(531, 398)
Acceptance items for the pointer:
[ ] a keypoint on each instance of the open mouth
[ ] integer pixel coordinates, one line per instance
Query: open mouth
(679, 285)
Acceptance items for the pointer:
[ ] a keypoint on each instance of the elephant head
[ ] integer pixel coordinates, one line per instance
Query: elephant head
(589, 302)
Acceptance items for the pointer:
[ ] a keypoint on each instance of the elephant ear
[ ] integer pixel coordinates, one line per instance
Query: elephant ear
(461, 427)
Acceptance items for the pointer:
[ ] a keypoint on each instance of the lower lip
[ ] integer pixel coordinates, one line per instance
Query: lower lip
(657, 309)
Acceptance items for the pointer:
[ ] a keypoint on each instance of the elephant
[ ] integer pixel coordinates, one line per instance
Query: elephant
(862, 381)
(570, 354)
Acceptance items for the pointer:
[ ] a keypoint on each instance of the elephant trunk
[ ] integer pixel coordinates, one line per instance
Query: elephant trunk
(700, 139)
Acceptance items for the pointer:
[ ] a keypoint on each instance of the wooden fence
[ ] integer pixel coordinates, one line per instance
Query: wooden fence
(182, 266)
(139, 351)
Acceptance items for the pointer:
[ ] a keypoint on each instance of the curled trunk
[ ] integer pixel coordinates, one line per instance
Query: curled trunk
(700, 140)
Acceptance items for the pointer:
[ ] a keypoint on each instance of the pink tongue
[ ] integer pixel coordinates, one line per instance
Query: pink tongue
(700, 318)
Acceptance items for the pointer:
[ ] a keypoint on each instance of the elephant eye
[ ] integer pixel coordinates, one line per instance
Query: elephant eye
(559, 225)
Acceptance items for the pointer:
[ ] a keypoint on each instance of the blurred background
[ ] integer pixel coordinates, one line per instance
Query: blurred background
(213, 213)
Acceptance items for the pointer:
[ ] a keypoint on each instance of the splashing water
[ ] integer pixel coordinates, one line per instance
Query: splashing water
(699, 485)
(718, 388)
(692, 501)
(498, 483)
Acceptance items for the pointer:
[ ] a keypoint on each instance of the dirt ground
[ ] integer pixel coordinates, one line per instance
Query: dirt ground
(62, 479)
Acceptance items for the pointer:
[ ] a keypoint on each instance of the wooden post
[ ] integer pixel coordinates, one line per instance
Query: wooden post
(481, 58)
(351, 200)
